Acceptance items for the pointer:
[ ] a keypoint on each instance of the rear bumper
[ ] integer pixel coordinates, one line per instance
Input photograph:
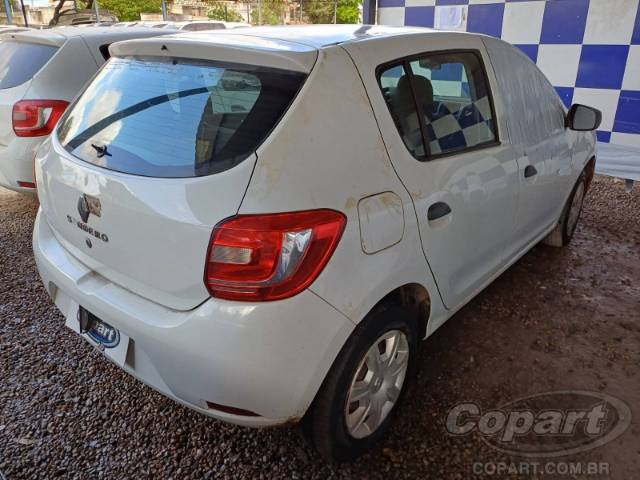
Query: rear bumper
(16, 163)
(268, 358)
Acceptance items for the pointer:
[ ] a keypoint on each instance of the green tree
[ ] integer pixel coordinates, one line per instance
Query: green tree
(128, 10)
(321, 11)
(349, 11)
(318, 11)
(269, 12)
(125, 10)
(219, 11)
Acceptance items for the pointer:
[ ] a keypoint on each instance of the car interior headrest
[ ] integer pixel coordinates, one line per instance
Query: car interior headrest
(424, 90)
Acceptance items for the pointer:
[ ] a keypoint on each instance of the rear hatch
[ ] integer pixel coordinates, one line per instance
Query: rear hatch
(19, 62)
(150, 157)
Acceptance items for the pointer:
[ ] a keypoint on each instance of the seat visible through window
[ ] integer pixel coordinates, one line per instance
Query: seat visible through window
(451, 94)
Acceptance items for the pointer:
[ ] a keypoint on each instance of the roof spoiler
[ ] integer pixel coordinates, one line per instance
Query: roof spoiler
(230, 48)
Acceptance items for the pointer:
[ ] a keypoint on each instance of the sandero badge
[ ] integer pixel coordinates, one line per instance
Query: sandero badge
(88, 205)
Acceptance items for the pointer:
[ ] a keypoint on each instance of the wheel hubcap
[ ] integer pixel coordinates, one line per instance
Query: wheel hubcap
(576, 207)
(377, 384)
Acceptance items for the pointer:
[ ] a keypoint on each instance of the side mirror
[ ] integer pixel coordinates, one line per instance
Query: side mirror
(583, 118)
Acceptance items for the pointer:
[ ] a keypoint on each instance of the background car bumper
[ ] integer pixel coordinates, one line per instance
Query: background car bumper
(16, 163)
(268, 358)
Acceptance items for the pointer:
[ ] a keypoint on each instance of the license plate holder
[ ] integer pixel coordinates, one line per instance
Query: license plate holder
(106, 338)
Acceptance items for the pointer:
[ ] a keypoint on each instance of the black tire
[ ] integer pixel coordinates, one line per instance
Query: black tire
(564, 230)
(568, 228)
(324, 425)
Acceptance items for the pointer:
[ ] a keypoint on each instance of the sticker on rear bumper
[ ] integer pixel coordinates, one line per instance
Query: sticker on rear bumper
(105, 335)
(99, 331)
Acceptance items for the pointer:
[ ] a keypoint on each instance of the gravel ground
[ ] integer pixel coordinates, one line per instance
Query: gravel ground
(558, 319)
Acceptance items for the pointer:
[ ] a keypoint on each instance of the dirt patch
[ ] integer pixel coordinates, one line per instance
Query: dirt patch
(557, 320)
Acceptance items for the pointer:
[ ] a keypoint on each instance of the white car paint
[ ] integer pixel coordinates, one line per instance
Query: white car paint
(381, 218)
(77, 59)
(336, 147)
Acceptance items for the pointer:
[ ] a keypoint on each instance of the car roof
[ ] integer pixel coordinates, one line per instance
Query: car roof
(288, 47)
(320, 36)
(59, 35)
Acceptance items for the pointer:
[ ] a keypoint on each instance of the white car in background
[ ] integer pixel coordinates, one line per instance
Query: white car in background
(41, 71)
(187, 25)
(200, 25)
(262, 224)
(12, 29)
(158, 24)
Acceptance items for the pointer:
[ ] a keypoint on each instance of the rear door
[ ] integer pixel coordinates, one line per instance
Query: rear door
(155, 152)
(462, 178)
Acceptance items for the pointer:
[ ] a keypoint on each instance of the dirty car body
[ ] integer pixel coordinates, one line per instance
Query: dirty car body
(311, 133)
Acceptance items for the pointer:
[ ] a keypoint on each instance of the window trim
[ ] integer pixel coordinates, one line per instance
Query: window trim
(405, 62)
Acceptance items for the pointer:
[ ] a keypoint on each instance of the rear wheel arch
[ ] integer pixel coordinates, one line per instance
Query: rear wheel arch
(413, 297)
(325, 424)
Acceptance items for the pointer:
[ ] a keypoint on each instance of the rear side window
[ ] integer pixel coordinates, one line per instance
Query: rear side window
(451, 92)
(397, 91)
(175, 118)
(19, 62)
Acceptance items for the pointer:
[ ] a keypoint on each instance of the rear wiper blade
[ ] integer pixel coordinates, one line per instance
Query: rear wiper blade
(89, 132)
(101, 151)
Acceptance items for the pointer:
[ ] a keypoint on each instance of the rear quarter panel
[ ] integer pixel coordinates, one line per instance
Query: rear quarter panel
(327, 152)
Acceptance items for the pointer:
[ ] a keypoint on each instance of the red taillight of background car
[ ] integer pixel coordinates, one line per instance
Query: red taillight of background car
(37, 118)
(270, 257)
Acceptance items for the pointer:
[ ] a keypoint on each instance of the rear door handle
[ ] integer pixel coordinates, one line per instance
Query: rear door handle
(530, 171)
(438, 210)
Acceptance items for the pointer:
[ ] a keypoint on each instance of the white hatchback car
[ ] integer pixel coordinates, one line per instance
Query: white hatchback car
(41, 71)
(262, 224)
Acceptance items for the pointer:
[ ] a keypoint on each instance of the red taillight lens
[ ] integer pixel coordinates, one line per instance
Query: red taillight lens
(37, 118)
(270, 257)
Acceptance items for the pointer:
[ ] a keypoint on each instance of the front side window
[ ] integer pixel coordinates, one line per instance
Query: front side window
(450, 90)
(19, 61)
(168, 117)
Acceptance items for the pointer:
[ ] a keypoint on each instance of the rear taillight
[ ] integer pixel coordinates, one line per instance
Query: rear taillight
(37, 118)
(270, 257)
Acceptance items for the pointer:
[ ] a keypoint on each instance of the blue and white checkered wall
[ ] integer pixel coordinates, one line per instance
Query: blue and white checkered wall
(589, 49)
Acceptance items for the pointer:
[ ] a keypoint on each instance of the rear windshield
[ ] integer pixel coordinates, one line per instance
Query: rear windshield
(175, 118)
(19, 61)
